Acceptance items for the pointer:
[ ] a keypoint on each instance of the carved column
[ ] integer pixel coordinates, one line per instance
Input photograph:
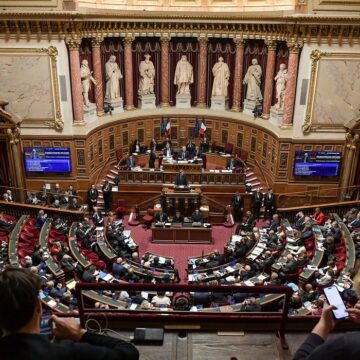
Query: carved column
(164, 77)
(14, 137)
(269, 79)
(128, 66)
(201, 89)
(290, 92)
(238, 74)
(76, 90)
(352, 141)
(96, 58)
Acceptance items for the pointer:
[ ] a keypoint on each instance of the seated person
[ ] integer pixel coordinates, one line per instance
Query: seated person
(275, 223)
(135, 148)
(289, 267)
(161, 300)
(168, 151)
(354, 223)
(183, 154)
(319, 217)
(232, 164)
(196, 217)
(98, 219)
(40, 219)
(161, 217)
(248, 223)
(131, 162)
(166, 142)
(197, 153)
(178, 218)
(181, 179)
(65, 199)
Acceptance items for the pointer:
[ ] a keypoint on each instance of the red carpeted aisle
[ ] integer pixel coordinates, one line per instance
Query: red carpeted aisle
(180, 252)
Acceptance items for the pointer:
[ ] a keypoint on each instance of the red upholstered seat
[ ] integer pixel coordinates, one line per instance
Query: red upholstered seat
(25, 252)
(31, 222)
(31, 230)
(341, 257)
(309, 244)
(4, 238)
(100, 264)
(142, 164)
(228, 148)
(339, 265)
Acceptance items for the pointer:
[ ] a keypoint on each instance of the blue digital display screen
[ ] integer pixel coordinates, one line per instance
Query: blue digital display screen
(317, 163)
(47, 160)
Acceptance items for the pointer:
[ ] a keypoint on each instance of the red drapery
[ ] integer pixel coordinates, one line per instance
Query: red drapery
(255, 49)
(140, 47)
(190, 48)
(226, 49)
(4, 165)
(282, 57)
(113, 46)
(86, 54)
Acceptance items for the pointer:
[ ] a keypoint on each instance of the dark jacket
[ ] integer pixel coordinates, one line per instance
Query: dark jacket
(91, 347)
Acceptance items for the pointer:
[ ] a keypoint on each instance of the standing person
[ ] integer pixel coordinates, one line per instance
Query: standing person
(204, 145)
(257, 199)
(107, 194)
(93, 195)
(269, 203)
(238, 206)
(190, 148)
(20, 323)
(153, 144)
(152, 158)
(181, 179)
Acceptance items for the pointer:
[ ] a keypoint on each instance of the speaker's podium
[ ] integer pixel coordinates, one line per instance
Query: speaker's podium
(184, 194)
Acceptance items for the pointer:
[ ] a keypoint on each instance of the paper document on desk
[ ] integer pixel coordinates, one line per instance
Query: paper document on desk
(99, 228)
(249, 283)
(52, 303)
(126, 233)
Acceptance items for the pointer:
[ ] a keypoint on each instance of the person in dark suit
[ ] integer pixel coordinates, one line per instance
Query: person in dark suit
(299, 221)
(232, 164)
(183, 154)
(89, 274)
(197, 154)
(181, 179)
(178, 218)
(196, 216)
(135, 147)
(161, 216)
(168, 151)
(289, 267)
(248, 223)
(130, 162)
(152, 158)
(354, 224)
(21, 331)
(275, 223)
(93, 195)
(71, 191)
(98, 219)
(204, 145)
(237, 203)
(269, 203)
(257, 199)
(190, 147)
(167, 141)
(153, 144)
(107, 194)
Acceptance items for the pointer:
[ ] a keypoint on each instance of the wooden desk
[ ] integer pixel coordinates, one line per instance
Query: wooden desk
(75, 251)
(217, 159)
(183, 234)
(187, 167)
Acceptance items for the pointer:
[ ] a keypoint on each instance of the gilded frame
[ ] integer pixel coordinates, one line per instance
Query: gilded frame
(51, 53)
(309, 125)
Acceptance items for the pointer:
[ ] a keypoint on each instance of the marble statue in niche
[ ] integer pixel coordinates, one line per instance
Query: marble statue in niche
(147, 76)
(112, 77)
(253, 81)
(86, 77)
(221, 74)
(281, 79)
(183, 76)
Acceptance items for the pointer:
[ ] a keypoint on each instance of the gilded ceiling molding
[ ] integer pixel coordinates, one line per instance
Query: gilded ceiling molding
(14, 135)
(352, 141)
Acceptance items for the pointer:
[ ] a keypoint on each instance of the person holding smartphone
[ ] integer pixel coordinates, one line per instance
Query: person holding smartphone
(342, 346)
(20, 319)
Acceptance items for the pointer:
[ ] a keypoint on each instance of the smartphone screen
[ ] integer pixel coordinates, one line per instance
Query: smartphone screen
(333, 297)
(46, 326)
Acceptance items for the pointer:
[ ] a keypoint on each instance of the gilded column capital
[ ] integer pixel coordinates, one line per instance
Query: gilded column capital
(164, 40)
(96, 41)
(239, 42)
(271, 44)
(14, 135)
(203, 40)
(352, 141)
(128, 39)
(294, 45)
(72, 43)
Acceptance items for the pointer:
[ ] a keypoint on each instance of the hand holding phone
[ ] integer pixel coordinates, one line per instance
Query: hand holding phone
(333, 297)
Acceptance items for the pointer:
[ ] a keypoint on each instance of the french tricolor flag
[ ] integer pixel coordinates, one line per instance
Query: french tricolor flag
(202, 127)
(168, 127)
